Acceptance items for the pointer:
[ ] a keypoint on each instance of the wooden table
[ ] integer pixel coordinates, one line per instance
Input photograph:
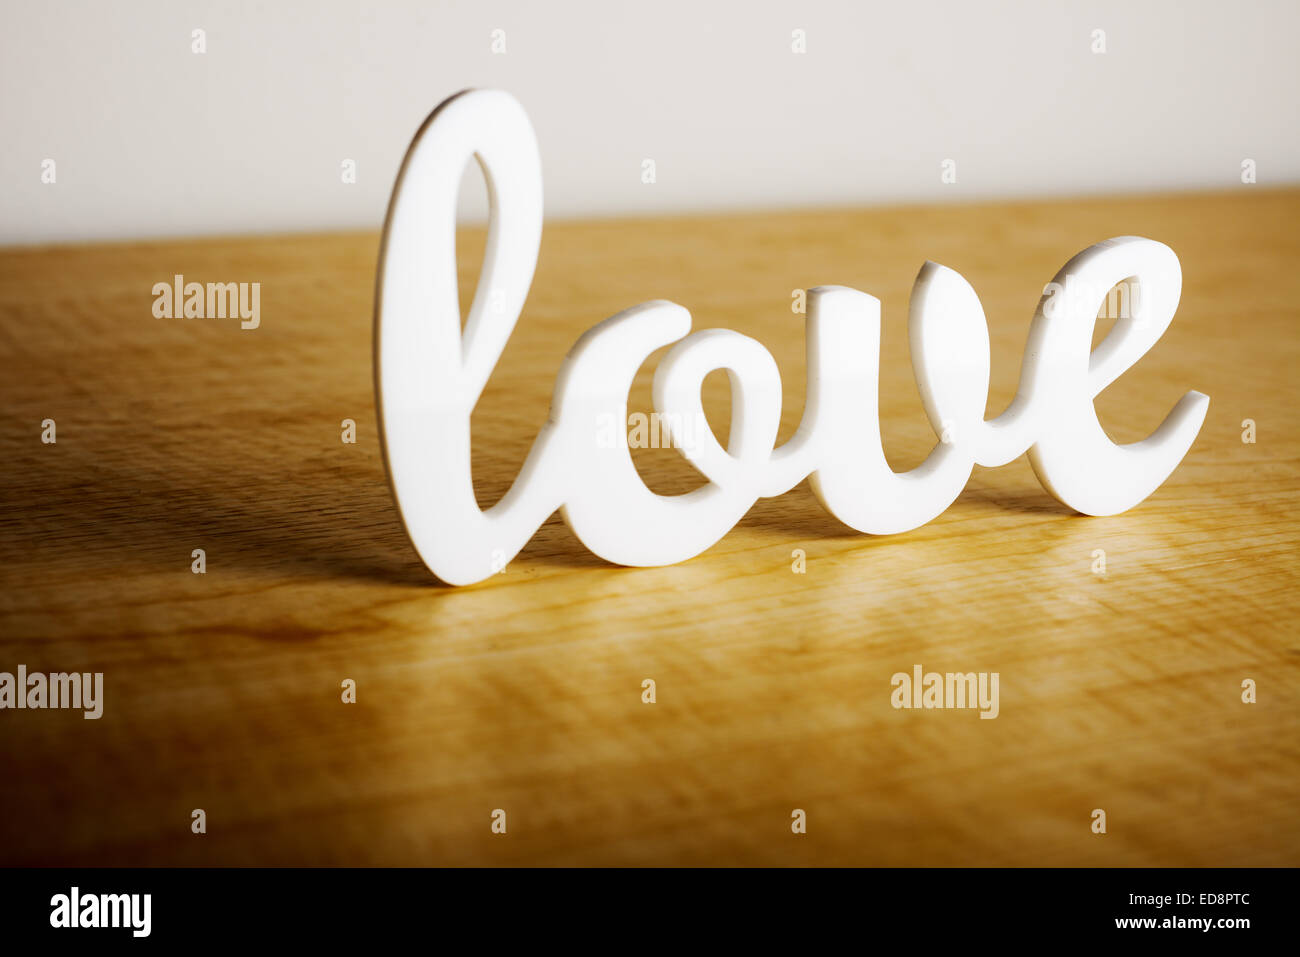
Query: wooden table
(222, 690)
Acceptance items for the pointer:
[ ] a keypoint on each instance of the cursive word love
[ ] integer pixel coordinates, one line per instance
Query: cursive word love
(429, 376)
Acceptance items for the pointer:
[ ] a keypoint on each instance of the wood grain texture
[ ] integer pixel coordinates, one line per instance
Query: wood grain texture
(222, 690)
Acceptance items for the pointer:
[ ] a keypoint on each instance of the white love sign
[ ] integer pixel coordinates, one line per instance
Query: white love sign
(429, 376)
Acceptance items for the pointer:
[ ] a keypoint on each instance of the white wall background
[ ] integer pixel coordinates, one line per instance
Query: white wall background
(151, 139)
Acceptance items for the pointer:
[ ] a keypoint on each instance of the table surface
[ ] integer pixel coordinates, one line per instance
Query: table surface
(1120, 691)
